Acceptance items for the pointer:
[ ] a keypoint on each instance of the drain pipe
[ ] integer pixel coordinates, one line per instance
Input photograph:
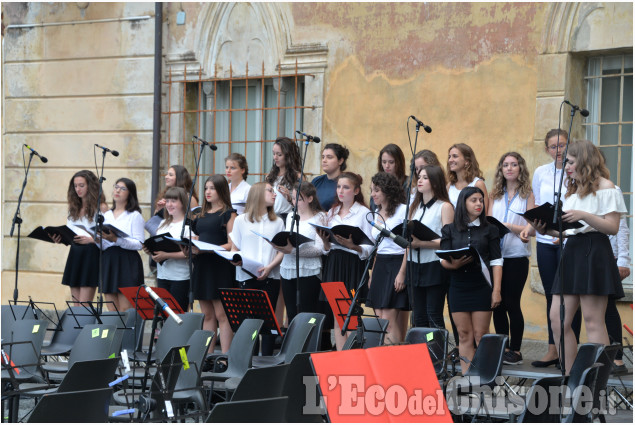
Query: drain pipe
(156, 113)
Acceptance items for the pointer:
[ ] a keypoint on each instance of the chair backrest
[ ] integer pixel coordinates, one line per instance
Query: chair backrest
(11, 313)
(94, 342)
(581, 409)
(133, 338)
(89, 375)
(165, 379)
(242, 347)
(199, 344)
(300, 383)
(23, 346)
(120, 321)
(75, 406)
(605, 358)
(538, 403)
(66, 336)
(251, 411)
(296, 337)
(374, 332)
(587, 355)
(487, 363)
(437, 341)
(173, 335)
(262, 383)
(315, 337)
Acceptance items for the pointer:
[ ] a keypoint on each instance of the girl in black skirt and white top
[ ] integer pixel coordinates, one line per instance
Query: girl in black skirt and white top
(345, 260)
(259, 217)
(211, 272)
(173, 271)
(82, 266)
(463, 171)
(121, 262)
(588, 274)
(471, 297)
(510, 197)
(310, 265)
(387, 290)
(429, 280)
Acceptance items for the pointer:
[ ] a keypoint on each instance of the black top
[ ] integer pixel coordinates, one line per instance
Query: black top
(212, 227)
(484, 238)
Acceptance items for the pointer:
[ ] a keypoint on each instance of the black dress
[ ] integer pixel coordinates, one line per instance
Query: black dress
(211, 272)
(469, 291)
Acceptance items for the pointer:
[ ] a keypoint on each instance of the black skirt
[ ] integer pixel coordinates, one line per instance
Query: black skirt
(122, 268)
(382, 292)
(82, 266)
(589, 267)
(427, 274)
(469, 291)
(211, 273)
(343, 266)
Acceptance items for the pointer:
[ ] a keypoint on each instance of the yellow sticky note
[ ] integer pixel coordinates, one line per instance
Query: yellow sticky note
(95, 332)
(209, 338)
(186, 364)
(429, 336)
(35, 329)
(104, 333)
(312, 320)
(254, 335)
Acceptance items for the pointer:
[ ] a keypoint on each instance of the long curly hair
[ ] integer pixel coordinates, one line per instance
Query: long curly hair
(75, 203)
(391, 188)
(472, 169)
(436, 176)
(292, 163)
(524, 183)
(400, 161)
(589, 166)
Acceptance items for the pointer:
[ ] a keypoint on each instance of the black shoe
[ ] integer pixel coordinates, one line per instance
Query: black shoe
(619, 370)
(512, 358)
(454, 355)
(540, 363)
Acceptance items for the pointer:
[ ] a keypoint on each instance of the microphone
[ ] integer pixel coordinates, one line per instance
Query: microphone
(421, 124)
(211, 145)
(42, 158)
(309, 137)
(583, 112)
(105, 149)
(164, 306)
(399, 240)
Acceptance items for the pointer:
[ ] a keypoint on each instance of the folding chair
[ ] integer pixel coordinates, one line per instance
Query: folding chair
(293, 343)
(76, 406)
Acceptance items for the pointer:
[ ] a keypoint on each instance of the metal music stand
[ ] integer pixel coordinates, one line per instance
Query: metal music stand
(241, 304)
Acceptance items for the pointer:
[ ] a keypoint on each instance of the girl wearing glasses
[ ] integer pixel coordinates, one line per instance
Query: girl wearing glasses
(121, 261)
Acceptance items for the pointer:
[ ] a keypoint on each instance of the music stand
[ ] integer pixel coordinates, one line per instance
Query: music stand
(144, 304)
(241, 304)
(36, 310)
(340, 301)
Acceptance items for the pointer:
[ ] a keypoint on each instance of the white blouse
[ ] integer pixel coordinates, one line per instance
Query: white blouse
(387, 246)
(512, 246)
(173, 268)
(239, 196)
(433, 220)
(281, 205)
(544, 186)
(130, 222)
(453, 192)
(603, 202)
(310, 252)
(254, 246)
(356, 217)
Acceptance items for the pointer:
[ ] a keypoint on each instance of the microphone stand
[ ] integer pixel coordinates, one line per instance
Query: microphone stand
(99, 229)
(18, 220)
(557, 218)
(355, 307)
(295, 221)
(188, 213)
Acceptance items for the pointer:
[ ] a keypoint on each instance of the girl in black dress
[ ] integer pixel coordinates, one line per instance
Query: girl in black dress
(82, 265)
(211, 272)
(471, 296)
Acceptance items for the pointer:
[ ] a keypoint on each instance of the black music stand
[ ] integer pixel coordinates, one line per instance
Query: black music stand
(241, 304)
(36, 311)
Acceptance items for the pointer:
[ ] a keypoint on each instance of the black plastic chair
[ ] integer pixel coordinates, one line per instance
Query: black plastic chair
(121, 321)
(189, 387)
(315, 338)
(300, 382)
(173, 335)
(11, 313)
(76, 406)
(94, 342)
(437, 341)
(294, 341)
(606, 358)
(64, 337)
(265, 410)
(260, 383)
(132, 340)
(374, 332)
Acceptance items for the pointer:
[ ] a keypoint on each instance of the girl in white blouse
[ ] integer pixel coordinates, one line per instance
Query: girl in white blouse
(463, 171)
(236, 170)
(310, 264)
(589, 274)
(511, 197)
(121, 262)
(259, 217)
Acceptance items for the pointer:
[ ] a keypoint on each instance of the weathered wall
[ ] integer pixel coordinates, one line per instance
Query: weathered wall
(67, 87)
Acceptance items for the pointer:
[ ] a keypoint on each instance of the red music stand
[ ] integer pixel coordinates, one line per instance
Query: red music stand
(340, 301)
(145, 304)
(383, 384)
(241, 304)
